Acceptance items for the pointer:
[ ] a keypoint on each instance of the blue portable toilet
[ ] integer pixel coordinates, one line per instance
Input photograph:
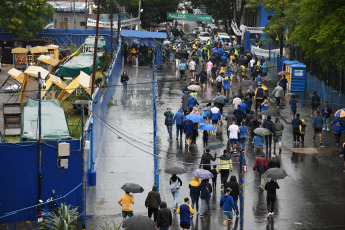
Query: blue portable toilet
(287, 62)
(296, 78)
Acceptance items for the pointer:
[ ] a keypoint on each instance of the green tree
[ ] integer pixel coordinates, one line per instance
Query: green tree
(25, 18)
(277, 24)
(131, 6)
(317, 26)
(155, 11)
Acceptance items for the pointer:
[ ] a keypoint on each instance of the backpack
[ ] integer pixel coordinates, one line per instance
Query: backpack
(261, 168)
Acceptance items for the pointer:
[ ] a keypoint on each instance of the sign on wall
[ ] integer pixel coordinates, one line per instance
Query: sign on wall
(124, 23)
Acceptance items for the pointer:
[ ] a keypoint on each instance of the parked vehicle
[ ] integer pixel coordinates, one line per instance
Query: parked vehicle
(197, 30)
(203, 37)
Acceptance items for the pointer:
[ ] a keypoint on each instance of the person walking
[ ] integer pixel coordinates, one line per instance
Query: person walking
(126, 201)
(152, 202)
(215, 116)
(175, 184)
(338, 125)
(274, 162)
(205, 195)
(124, 80)
(182, 68)
(243, 135)
(164, 217)
(184, 102)
(268, 124)
(283, 83)
(226, 84)
(233, 137)
(209, 66)
(236, 102)
(194, 192)
(229, 119)
(296, 122)
(253, 124)
(235, 191)
(258, 142)
(227, 205)
(259, 97)
(169, 116)
(188, 130)
(317, 125)
(225, 166)
(278, 134)
(261, 167)
(315, 103)
(205, 138)
(206, 158)
(185, 211)
(293, 106)
(192, 67)
(302, 130)
(239, 114)
(326, 114)
(278, 93)
(179, 120)
(192, 102)
(271, 188)
(264, 106)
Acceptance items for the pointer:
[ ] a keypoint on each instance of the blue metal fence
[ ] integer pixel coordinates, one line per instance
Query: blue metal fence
(27, 218)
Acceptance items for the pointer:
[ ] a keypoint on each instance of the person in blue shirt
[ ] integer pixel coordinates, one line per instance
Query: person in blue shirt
(185, 211)
(326, 114)
(258, 142)
(179, 119)
(243, 135)
(258, 80)
(296, 122)
(293, 106)
(317, 125)
(338, 126)
(227, 205)
(192, 102)
(226, 84)
(182, 68)
(188, 130)
(224, 60)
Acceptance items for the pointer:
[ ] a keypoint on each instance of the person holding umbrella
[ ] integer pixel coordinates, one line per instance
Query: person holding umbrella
(152, 202)
(175, 184)
(271, 188)
(283, 83)
(205, 195)
(261, 166)
(125, 202)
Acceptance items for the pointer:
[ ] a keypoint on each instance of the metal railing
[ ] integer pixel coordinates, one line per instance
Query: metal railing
(27, 218)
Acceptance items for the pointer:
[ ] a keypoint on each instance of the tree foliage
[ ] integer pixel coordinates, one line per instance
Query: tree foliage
(155, 11)
(25, 18)
(65, 219)
(131, 6)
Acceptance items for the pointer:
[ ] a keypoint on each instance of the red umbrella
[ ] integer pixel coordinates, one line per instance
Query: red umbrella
(283, 73)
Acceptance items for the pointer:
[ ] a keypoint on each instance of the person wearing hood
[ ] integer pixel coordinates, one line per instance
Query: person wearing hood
(169, 116)
(229, 119)
(194, 192)
(271, 188)
(338, 125)
(253, 124)
(235, 190)
(268, 124)
(261, 167)
(278, 134)
(302, 130)
(164, 217)
(238, 114)
(175, 184)
(206, 159)
(192, 102)
(124, 81)
(225, 166)
(274, 162)
(152, 202)
(184, 102)
(248, 101)
(179, 120)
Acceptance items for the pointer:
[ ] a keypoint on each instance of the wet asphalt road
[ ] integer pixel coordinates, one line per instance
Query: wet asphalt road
(311, 197)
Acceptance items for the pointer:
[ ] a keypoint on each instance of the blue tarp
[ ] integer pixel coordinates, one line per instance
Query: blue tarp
(143, 34)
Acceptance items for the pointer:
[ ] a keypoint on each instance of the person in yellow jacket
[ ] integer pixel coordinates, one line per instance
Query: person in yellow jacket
(194, 192)
(222, 70)
(302, 130)
(259, 96)
(225, 167)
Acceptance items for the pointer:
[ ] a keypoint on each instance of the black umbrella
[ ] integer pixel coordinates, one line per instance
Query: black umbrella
(221, 100)
(262, 132)
(215, 145)
(275, 173)
(139, 222)
(269, 113)
(175, 170)
(133, 188)
(247, 83)
(227, 48)
(187, 49)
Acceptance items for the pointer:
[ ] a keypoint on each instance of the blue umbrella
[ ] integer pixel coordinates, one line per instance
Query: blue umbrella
(202, 174)
(207, 127)
(195, 118)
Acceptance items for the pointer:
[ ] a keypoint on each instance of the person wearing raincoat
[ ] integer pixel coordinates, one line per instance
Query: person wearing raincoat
(194, 192)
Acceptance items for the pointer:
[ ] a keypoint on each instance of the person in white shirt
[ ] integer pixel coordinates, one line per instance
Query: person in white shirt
(252, 63)
(233, 136)
(192, 66)
(237, 101)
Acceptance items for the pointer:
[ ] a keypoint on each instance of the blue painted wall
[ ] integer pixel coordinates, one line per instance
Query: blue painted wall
(19, 174)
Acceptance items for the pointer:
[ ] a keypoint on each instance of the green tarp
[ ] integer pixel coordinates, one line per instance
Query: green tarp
(82, 62)
(53, 124)
(101, 43)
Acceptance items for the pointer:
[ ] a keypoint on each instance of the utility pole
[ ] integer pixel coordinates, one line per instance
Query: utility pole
(74, 16)
(139, 12)
(95, 52)
(86, 13)
(119, 24)
(111, 30)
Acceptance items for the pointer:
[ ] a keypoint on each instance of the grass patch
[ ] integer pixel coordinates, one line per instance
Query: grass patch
(12, 139)
(111, 104)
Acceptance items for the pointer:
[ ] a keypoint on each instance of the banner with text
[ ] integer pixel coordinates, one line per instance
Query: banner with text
(255, 30)
(235, 28)
(124, 23)
(265, 53)
(189, 17)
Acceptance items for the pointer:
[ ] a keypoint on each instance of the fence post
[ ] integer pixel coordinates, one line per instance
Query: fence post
(315, 83)
(241, 184)
(340, 96)
(330, 96)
